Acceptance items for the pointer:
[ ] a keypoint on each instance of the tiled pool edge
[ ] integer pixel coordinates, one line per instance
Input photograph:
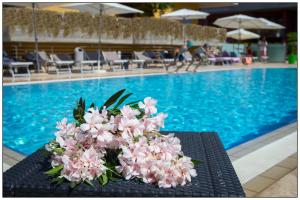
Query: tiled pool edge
(249, 146)
(10, 158)
(279, 181)
(206, 69)
(268, 159)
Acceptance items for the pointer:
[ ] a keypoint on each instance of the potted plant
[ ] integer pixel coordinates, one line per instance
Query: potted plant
(292, 47)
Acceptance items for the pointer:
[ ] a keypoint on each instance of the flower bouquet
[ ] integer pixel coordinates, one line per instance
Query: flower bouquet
(106, 143)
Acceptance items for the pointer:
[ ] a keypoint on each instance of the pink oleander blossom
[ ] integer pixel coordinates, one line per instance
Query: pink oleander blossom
(131, 128)
(86, 165)
(145, 153)
(156, 161)
(155, 123)
(93, 120)
(148, 105)
(65, 129)
(129, 113)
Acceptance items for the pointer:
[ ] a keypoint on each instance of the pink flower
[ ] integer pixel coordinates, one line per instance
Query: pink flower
(87, 165)
(159, 119)
(62, 124)
(131, 128)
(93, 119)
(148, 105)
(156, 161)
(155, 123)
(65, 129)
(145, 153)
(129, 113)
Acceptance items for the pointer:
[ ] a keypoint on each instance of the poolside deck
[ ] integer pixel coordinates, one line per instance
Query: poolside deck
(40, 77)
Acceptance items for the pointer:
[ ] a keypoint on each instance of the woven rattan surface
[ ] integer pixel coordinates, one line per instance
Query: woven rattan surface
(216, 176)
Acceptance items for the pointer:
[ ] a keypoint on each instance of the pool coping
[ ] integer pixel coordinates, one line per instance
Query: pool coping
(265, 160)
(144, 74)
(251, 145)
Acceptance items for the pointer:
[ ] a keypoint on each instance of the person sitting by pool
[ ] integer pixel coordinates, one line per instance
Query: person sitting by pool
(249, 51)
(200, 54)
(247, 59)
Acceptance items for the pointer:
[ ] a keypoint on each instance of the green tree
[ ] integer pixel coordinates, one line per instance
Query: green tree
(292, 42)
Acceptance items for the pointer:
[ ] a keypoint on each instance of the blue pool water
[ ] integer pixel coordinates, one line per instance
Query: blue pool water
(240, 104)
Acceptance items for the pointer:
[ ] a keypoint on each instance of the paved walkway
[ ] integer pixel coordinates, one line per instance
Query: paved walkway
(278, 181)
(285, 187)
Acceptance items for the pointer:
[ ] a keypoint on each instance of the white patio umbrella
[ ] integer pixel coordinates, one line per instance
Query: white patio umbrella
(240, 21)
(271, 25)
(102, 8)
(34, 5)
(242, 34)
(184, 14)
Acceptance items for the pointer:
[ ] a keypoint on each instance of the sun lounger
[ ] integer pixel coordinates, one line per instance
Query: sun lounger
(156, 58)
(45, 60)
(142, 59)
(234, 57)
(113, 58)
(213, 60)
(93, 56)
(16, 68)
(226, 58)
(63, 63)
(166, 57)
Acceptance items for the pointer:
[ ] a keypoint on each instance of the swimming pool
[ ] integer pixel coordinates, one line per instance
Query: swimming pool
(238, 104)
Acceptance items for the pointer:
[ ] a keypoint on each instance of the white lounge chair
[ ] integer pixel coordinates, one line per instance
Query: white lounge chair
(113, 58)
(142, 59)
(63, 63)
(14, 69)
(45, 60)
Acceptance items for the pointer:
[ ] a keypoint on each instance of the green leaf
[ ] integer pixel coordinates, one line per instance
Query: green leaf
(135, 106)
(103, 180)
(73, 185)
(113, 99)
(114, 179)
(54, 170)
(122, 100)
(92, 105)
(196, 162)
(114, 172)
(59, 151)
(114, 112)
(78, 112)
(89, 183)
(57, 180)
(133, 102)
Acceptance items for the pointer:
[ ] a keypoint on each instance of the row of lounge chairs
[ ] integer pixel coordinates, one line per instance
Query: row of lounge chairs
(64, 63)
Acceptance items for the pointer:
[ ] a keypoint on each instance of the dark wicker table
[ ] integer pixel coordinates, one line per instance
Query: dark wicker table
(216, 176)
